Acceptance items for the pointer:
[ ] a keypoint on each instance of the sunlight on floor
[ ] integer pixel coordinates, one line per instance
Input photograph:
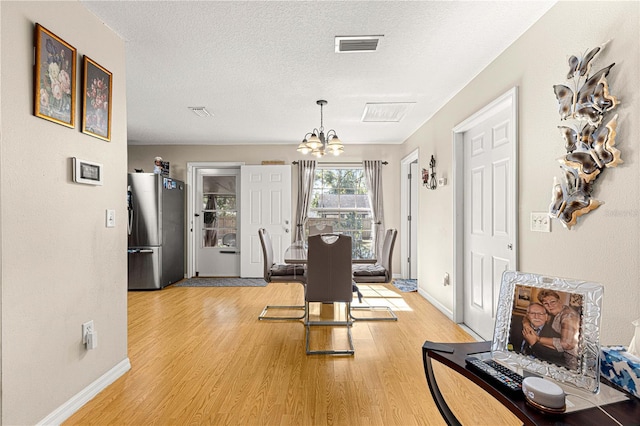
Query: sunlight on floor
(379, 295)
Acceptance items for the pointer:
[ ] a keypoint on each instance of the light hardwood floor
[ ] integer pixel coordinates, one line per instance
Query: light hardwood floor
(200, 356)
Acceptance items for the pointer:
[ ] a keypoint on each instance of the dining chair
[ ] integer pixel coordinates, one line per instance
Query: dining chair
(280, 273)
(329, 281)
(318, 228)
(378, 272)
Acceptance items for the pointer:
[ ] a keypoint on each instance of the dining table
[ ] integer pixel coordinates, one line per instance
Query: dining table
(296, 253)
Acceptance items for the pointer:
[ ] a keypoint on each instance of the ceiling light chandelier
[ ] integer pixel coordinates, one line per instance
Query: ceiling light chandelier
(318, 143)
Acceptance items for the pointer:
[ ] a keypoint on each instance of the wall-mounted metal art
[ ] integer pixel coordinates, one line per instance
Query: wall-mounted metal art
(429, 176)
(589, 141)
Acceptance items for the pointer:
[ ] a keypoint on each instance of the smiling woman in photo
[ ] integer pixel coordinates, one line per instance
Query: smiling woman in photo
(566, 322)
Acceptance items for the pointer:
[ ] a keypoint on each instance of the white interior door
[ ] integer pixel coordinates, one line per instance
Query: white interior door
(489, 218)
(413, 222)
(266, 203)
(409, 184)
(216, 222)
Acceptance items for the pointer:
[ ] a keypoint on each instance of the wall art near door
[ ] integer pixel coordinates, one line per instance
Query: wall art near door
(96, 100)
(589, 141)
(55, 78)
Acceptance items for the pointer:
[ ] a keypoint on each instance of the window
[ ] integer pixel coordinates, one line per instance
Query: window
(339, 199)
(219, 209)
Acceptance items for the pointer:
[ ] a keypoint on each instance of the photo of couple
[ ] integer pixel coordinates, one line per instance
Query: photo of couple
(545, 324)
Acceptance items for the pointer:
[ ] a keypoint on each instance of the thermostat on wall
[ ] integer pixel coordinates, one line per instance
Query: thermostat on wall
(87, 172)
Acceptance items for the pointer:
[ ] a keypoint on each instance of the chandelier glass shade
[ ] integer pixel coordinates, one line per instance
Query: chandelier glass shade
(317, 143)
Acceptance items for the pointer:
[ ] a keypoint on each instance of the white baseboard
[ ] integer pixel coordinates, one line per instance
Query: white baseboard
(67, 409)
(448, 313)
(472, 333)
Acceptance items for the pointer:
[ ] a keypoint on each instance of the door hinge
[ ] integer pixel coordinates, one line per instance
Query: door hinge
(409, 176)
(409, 217)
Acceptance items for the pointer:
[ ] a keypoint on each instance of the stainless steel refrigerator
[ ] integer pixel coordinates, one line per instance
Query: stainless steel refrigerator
(156, 231)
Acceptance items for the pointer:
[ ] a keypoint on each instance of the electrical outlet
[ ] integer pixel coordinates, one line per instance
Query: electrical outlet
(87, 328)
(445, 279)
(540, 222)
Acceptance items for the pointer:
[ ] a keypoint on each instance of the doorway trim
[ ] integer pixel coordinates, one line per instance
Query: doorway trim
(508, 100)
(405, 169)
(192, 175)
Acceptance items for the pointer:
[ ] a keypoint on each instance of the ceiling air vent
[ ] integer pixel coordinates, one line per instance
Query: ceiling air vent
(382, 112)
(349, 44)
(200, 111)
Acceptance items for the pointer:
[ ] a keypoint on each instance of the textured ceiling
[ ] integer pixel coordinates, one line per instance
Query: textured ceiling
(260, 66)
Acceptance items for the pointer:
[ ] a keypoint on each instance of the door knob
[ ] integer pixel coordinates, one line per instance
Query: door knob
(286, 230)
(510, 246)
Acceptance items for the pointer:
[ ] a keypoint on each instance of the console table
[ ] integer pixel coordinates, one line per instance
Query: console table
(626, 412)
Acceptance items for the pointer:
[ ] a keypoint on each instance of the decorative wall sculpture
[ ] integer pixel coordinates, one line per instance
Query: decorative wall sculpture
(589, 140)
(429, 176)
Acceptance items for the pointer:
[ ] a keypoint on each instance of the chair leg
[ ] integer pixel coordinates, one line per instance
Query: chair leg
(263, 315)
(347, 323)
(392, 316)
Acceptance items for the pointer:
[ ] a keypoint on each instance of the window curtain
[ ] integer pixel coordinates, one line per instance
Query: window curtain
(373, 177)
(306, 174)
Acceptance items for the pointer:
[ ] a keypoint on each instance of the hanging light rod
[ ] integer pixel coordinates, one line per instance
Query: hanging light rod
(341, 163)
(318, 144)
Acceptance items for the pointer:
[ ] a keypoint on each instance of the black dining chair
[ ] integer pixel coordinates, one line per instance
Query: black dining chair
(280, 273)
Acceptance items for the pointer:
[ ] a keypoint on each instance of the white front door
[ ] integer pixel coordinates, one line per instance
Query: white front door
(216, 222)
(266, 203)
(489, 216)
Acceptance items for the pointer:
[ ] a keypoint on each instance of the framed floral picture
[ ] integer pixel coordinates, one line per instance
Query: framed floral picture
(96, 100)
(55, 78)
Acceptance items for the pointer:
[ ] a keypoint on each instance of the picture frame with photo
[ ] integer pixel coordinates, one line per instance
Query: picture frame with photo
(96, 99)
(55, 78)
(523, 298)
(550, 326)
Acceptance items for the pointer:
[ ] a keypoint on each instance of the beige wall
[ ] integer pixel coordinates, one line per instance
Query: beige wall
(141, 157)
(604, 247)
(60, 265)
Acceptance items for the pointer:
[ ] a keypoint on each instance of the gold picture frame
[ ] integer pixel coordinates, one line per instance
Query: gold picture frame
(55, 78)
(96, 99)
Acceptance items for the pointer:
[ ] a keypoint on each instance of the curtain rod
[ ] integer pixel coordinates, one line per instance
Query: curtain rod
(337, 163)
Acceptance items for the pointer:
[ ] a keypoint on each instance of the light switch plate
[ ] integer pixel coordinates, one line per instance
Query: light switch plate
(111, 218)
(540, 222)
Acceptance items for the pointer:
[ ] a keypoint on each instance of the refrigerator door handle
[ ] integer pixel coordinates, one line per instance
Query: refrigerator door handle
(135, 251)
(129, 210)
